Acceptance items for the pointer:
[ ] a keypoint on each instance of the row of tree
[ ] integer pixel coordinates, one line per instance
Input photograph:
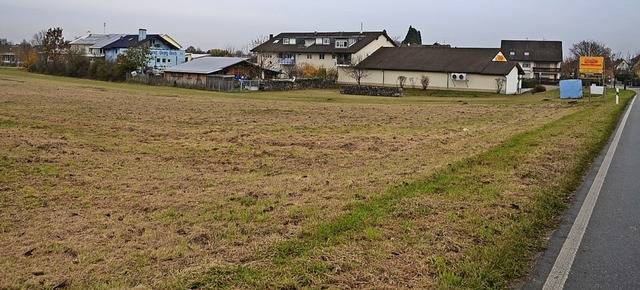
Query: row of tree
(49, 53)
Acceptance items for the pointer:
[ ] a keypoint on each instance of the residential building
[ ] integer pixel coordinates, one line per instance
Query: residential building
(540, 59)
(165, 52)
(471, 69)
(10, 56)
(319, 49)
(91, 45)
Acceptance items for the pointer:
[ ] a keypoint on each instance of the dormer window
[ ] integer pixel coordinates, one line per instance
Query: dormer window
(526, 53)
(512, 53)
(342, 43)
(326, 41)
(285, 41)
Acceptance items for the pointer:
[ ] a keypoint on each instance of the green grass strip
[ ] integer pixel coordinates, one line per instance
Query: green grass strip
(498, 262)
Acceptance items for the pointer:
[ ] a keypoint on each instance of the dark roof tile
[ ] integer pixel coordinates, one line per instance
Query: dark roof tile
(539, 50)
(276, 44)
(439, 59)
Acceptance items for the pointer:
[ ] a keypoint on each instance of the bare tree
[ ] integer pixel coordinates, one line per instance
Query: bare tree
(412, 81)
(38, 39)
(401, 81)
(192, 49)
(355, 71)
(499, 85)
(424, 80)
(5, 45)
(593, 48)
(231, 48)
(396, 40)
(261, 62)
(569, 68)
(590, 48)
(292, 71)
(255, 43)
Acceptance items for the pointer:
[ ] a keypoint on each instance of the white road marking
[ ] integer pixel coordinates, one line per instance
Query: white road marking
(560, 271)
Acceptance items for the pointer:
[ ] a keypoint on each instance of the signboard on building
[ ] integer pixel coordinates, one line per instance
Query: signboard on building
(500, 57)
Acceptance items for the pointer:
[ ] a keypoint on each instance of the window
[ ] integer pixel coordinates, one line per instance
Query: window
(526, 53)
(309, 56)
(169, 60)
(342, 43)
(321, 56)
(526, 65)
(157, 60)
(512, 53)
(326, 41)
(285, 41)
(164, 60)
(333, 56)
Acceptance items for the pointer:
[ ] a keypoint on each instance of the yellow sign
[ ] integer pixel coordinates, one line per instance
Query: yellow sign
(500, 57)
(591, 64)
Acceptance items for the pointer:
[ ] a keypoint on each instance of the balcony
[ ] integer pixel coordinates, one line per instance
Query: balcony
(547, 70)
(287, 61)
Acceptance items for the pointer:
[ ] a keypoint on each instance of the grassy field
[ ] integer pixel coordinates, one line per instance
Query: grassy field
(107, 185)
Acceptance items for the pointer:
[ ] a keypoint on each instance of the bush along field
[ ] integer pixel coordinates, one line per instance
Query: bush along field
(107, 185)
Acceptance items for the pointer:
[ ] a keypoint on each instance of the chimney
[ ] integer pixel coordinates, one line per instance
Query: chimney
(142, 34)
(270, 36)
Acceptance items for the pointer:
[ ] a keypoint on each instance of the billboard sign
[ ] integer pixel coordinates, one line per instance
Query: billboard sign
(591, 64)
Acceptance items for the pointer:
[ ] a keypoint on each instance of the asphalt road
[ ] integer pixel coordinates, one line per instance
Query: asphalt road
(597, 245)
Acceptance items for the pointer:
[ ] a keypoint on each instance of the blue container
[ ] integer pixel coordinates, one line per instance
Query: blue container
(571, 89)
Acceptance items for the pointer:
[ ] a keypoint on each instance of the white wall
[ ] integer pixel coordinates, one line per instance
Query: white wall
(368, 50)
(513, 84)
(437, 80)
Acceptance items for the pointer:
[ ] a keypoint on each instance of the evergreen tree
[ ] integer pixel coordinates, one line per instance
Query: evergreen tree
(413, 37)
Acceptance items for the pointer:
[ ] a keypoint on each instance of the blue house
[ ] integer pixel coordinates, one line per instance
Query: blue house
(165, 52)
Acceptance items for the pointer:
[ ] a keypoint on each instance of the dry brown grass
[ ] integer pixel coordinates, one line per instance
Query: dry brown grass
(115, 186)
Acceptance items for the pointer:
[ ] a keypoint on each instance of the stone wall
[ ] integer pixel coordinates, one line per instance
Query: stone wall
(297, 84)
(371, 91)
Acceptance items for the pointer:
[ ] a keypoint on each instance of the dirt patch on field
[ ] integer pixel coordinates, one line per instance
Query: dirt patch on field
(124, 188)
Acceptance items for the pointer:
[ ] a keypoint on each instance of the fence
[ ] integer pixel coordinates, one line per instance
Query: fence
(147, 80)
(228, 83)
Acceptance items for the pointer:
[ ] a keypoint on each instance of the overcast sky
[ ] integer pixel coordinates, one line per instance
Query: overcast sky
(223, 24)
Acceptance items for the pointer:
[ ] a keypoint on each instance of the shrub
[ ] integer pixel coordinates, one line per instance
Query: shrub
(321, 73)
(308, 70)
(529, 83)
(538, 89)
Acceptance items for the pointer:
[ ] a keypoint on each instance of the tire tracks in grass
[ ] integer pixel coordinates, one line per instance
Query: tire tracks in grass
(499, 260)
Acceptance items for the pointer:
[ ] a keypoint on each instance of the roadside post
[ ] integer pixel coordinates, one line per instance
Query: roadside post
(617, 96)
